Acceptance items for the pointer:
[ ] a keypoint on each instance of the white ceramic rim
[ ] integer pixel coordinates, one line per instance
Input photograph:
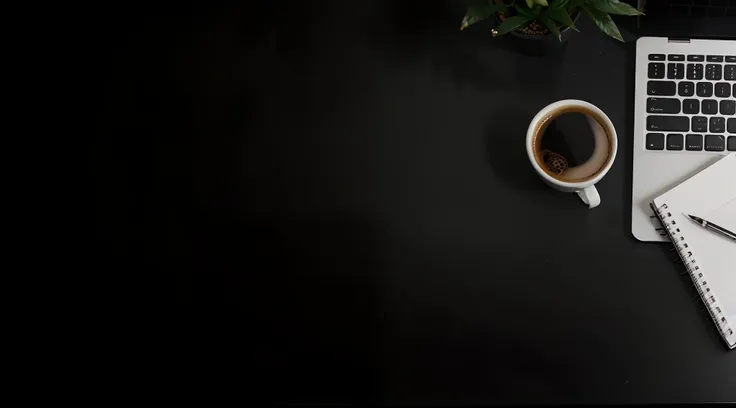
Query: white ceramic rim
(543, 114)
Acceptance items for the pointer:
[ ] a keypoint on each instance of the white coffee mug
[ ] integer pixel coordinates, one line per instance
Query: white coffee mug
(585, 188)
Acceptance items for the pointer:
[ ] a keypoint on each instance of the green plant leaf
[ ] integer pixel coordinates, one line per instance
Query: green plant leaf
(542, 2)
(615, 7)
(561, 16)
(512, 23)
(604, 22)
(530, 3)
(551, 25)
(520, 10)
(572, 4)
(479, 13)
(558, 4)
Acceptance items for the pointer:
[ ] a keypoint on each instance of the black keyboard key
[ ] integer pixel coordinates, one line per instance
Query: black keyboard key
(732, 126)
(668, 123)
(694, 142)
(696, 58)
(656, 70)
(710, 106)
(714, 58)
(656, 57)
(691, 106)
(661, 88)
(676, 57)
(685, 88)
(655, 141)
(717, 11)
(715, 143)
(717, 125)
(703, 89)
(732, 144)
(729, 73)
(728, 107)
(731, 58)
(694, 11)
(675, 141)
(695, 71)
(713, 72)
(723, 90)
(675, 70)
(700, 124)
(663, 105)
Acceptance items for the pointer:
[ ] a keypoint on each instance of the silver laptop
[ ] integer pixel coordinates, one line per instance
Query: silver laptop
(685, 99)
(684, 120)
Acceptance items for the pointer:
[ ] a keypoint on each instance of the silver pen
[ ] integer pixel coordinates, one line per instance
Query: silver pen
(713, 227)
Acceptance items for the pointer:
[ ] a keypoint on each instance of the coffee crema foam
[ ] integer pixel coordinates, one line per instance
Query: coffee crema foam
(561, 165)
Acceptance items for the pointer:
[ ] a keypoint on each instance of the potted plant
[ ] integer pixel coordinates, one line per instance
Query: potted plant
(536, 18)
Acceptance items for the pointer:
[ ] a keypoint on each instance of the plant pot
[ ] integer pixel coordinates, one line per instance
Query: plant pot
(536, 39)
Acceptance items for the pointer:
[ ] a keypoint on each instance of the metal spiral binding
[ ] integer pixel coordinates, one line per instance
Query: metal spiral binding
(691, 264)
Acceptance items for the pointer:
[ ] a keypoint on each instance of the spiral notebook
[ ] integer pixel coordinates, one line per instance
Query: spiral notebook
(710, 258)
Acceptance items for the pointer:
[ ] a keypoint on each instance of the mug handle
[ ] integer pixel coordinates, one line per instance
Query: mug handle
(590, 196)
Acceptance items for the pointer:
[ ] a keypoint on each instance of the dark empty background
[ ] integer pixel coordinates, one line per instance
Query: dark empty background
(338, 196)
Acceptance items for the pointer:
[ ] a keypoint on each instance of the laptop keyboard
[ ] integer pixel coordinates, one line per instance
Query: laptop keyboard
(691, 103)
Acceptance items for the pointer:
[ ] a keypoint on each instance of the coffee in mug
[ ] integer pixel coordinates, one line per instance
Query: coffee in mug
(572, 144)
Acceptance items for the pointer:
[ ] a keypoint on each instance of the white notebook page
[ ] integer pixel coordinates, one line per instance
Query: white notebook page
(711, 195)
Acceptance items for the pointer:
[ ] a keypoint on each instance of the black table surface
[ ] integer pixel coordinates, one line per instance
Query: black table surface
(343, 194)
